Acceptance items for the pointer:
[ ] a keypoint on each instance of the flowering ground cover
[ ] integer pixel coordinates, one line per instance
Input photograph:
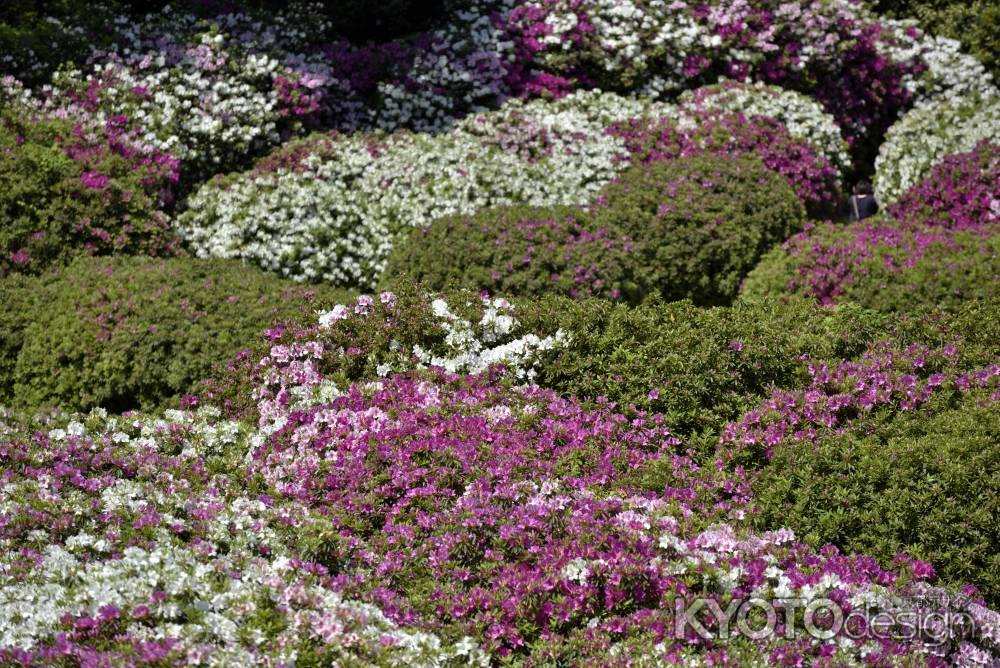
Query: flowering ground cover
(494, 333)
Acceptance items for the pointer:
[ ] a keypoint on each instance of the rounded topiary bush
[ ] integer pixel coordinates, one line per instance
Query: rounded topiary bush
(517, 251)
(700, 224)
(134, 332)
(803, 165)
(77, 185)
(881, 265)
(937, 246)
(923, 483)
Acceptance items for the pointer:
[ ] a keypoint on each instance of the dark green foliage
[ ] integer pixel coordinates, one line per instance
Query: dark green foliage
(38, 37)
(926, 483)
(50, 211)
(700, 224)
(517, 251)
(126, 333)
(699, 367)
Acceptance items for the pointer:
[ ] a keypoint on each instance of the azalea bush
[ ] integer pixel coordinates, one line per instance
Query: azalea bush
(879, 455)
(328, 208)
(834, 51)
(124, 333)
(77, 184)
(212, 92)
(800, 114)
(918, 483)
(812, 177)
(698, 367)
(36, 40)
(925, 135)
(973, 24)
(517, 252)
(700, 224)
(937, 246)
(131, 562)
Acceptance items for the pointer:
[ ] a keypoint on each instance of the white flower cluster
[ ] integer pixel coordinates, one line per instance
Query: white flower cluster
(470, 343)
(208, 93)
(471, 347)
(463, 72)
(949, 74)
(804, 118)
(334, 218)
(926, 134)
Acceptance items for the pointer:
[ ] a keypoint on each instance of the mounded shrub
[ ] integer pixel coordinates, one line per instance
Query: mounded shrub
(921, 482)
(517, 251)
(131, 332)
(882, 266)
(937, 246)
(700, 224)
(975, 23)
(77, 185)
(799, 113)
(732, 135)
(698, 367)
(327, 208)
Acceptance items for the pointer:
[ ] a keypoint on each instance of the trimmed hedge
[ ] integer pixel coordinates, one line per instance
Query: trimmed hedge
(889, 269)
(134, 332)
(700, 224)
(70, 187)
(699, 367)
(517, 251)
(923, 482)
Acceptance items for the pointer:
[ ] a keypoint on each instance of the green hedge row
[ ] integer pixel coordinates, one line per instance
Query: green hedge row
(134, 332)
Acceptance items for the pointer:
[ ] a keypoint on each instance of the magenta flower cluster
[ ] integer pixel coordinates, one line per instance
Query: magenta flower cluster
(959, 201)
(811, 175)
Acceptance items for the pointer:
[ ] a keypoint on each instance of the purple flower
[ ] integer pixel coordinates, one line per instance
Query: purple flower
(94, 180)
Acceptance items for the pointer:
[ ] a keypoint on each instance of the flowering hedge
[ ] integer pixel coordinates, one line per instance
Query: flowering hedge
(142, 544)
(834, 51)
(925, 135)
(832, 453)
(938, 245)
(73, 183)
(213, 93)
(128, 332)
(800, 114)
(926, 474)
(444, 467)
(699, 224)
(327, 208)
(699, 368)
(729, 135)
(517, 252)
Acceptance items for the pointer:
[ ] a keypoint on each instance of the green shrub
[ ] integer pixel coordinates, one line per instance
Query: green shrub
(882, 266)
(924, 482)
(36, 38)
(700, 224)
(138, 332)
(69, 187)
(699, 367)
(516, 251)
